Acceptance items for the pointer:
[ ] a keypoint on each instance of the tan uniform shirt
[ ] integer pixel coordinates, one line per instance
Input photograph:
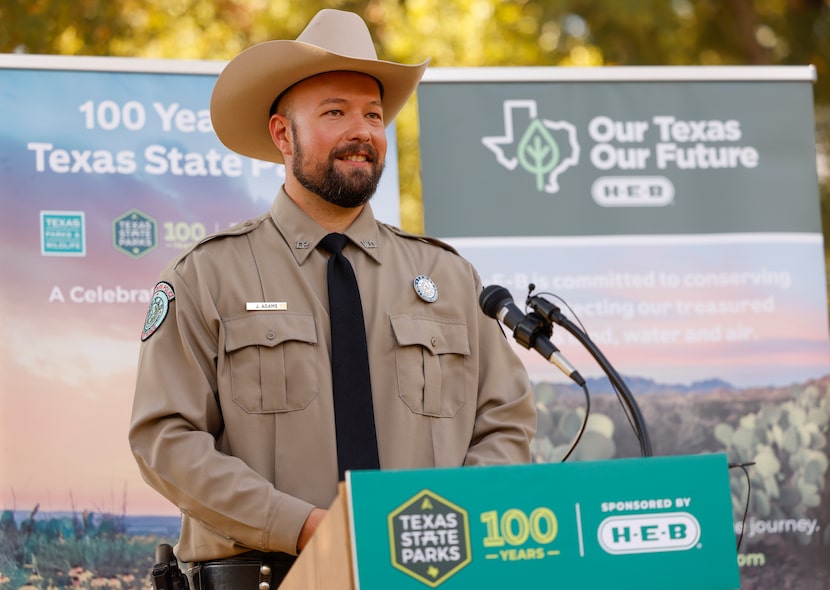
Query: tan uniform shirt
(233, 418)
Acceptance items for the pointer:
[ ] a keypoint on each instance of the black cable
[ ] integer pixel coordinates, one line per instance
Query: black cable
(742, 467)
(582, 426)
(552, 313)
(578, 321)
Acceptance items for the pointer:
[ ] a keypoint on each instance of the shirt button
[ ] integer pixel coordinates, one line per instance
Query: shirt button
(270, 335)
(434, 341)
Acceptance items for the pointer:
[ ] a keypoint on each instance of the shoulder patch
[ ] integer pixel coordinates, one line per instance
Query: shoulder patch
(159, 306)
(420, 238)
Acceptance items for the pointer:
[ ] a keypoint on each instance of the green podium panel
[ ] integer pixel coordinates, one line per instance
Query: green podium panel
(660, 522)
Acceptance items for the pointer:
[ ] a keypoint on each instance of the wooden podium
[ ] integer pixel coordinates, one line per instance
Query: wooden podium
(326, 562)
(630, 524)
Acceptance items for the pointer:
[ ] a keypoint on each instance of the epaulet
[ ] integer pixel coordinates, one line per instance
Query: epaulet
(239, 229)
(419, 237)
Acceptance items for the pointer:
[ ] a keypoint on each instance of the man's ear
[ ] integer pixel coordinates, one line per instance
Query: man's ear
(280, 129)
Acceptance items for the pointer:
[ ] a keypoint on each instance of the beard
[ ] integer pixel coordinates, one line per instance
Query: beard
(344, 189)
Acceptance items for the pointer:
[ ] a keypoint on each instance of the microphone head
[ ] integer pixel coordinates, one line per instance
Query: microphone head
(493, 298)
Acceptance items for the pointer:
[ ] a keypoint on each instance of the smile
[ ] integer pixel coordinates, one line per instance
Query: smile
(356, 158)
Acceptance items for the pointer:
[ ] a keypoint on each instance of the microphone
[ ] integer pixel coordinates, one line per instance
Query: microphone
(530, 330)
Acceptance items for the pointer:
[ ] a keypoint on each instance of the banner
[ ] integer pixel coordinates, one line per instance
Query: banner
(639, 524)
(109, 168)
(674, 212)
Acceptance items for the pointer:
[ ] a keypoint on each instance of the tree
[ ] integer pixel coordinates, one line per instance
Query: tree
(453, 33)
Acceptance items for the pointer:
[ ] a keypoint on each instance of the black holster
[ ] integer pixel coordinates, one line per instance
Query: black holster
(166, 574)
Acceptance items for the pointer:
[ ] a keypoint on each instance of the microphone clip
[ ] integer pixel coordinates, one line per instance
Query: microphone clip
(547, 310)
(531, 326)
(528, 330)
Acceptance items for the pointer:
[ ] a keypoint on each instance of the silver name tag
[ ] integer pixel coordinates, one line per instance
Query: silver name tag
(266, 306)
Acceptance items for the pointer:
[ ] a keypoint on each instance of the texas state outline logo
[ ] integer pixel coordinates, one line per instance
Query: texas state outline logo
(544, 149)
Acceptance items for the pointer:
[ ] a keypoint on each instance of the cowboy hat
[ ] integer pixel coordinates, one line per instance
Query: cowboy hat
(334, 40)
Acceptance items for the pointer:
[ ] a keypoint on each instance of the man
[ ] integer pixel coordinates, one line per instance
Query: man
(234, 411)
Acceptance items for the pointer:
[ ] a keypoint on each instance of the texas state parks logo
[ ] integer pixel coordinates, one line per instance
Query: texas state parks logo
(540, 147)
(429, 538)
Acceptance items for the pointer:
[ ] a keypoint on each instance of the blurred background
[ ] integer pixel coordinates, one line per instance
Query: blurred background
(454, 33)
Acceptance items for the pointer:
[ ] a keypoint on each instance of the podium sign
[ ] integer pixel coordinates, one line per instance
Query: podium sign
(661, 522)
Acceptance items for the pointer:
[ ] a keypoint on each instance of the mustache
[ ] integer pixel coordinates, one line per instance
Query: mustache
(356, 148)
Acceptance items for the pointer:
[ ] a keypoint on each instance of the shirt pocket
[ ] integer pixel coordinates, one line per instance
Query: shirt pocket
(271, 361)
(431, 362)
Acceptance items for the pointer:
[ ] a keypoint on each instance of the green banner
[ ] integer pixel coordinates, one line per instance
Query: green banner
(614, 155)
(673, 213)
(630, 523)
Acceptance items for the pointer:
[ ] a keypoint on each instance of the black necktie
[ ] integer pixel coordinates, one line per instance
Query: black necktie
(354, 417)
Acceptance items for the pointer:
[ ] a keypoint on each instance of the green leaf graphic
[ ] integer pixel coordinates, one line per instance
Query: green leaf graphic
(538, 152)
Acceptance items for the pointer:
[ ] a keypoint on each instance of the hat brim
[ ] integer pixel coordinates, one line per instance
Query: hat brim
(246, 88)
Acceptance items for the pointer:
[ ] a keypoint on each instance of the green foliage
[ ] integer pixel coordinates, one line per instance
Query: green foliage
(54, 27)
(783, 430)
(788, 444)
(558, 423)
(453, 33)
(81, 551)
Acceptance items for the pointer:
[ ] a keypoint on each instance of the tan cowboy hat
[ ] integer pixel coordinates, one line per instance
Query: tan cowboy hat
(334, 40)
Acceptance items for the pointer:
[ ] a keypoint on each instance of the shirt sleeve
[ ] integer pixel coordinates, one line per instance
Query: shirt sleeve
(505, 421)
(177, 421)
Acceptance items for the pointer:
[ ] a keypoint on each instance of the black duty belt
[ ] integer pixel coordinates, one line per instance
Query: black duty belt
(248, 571)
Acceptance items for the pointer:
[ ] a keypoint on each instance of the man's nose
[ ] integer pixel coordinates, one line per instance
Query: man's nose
(360, 130)
(360, 134)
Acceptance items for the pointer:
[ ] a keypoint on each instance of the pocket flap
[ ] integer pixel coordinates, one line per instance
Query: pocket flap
(437, 336)
(268, 329)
